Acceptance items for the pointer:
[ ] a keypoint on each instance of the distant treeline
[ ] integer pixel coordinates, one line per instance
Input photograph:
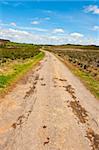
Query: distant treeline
(73, 46)
(4, 42)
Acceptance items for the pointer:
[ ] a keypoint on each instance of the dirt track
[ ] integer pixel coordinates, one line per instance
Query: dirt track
(49, 109)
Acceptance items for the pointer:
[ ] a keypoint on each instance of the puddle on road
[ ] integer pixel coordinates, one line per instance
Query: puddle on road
(93, 138)
(79, 111)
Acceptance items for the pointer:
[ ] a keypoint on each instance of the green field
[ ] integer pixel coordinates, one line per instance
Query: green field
(16, 60)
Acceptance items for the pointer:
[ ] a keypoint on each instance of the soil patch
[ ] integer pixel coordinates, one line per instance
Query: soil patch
(93, 138)
(79, 111)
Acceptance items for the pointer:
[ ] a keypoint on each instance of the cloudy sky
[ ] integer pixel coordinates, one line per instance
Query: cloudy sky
(50, 22)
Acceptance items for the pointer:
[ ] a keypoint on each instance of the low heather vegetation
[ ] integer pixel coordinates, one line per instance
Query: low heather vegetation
(83, 61)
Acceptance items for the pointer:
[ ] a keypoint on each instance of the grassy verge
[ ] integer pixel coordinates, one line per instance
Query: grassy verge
(89, 81)
(18, 71)
(86, 78)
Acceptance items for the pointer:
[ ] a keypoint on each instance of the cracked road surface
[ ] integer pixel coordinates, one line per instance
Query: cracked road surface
(49, 109)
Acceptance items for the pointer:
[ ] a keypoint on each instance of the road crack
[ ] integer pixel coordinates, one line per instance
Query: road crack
(93, 138)
(79, 111)
(32, 89)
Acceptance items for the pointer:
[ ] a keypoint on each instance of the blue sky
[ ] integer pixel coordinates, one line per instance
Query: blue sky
(50, 22)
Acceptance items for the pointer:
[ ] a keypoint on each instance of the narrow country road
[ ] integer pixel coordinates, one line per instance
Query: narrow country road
(49, 109)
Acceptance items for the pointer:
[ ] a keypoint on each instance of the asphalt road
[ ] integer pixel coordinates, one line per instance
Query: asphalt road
(49, 109)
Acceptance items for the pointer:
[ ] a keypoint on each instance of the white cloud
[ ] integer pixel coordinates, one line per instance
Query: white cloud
(13, 24)
(27, 37)
(35, 22)
(32, 28)
(58, 30)
(19, 32)
(76, 35)
(92, 8)
(95, 28)
(18, 35)
(6, 24)
(21, 36)
(22, 28)
(38, 20)
(12, 33)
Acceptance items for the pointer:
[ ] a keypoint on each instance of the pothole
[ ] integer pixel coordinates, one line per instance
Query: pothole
(47, 141)
(93, 138)
(79, 111)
